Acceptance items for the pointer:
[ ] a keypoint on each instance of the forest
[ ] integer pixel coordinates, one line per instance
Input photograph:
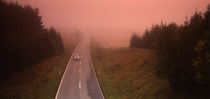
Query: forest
(24, 40)
(182, 52)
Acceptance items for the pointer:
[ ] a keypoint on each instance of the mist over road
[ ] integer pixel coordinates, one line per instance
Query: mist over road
(79, 80)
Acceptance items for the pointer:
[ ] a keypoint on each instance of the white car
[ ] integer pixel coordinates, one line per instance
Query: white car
(76, 56)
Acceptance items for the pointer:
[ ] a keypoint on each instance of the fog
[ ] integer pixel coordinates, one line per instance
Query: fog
(113, 19)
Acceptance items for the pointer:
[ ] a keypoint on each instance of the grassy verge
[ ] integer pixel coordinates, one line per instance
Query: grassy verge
(39, 81)
(128, 73)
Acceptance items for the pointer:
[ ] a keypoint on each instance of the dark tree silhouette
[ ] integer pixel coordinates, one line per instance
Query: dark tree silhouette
(23, 39)
(183, 53)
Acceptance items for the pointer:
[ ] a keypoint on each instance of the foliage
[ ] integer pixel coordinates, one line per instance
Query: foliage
(24, 40)
(182, 53)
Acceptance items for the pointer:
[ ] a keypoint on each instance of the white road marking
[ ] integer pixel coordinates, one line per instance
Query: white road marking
(80, 86)
(80, 62)
(79, 70)
(56, 97)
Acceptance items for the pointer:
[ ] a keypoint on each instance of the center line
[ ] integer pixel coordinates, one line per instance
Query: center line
(80, 86)
(80, 70)
(80, 62)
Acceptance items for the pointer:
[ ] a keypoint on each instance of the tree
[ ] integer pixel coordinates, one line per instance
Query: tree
(24, 40)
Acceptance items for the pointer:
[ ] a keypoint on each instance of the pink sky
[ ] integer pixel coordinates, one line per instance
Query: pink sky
(114, 14)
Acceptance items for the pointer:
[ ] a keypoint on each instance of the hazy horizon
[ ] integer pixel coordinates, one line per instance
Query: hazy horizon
(134, 15)
(107, 18)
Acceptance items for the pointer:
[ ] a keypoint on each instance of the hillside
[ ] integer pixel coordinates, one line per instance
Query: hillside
(40, 80)
(128, 73)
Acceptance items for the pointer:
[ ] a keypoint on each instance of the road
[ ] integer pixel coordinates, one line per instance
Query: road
(79, 80)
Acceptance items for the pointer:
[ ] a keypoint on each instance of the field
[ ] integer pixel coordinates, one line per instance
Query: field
(113, 38)
(39, 81)
(128, 73)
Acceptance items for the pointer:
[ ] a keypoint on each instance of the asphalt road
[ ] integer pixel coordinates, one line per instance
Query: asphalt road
(79, 80)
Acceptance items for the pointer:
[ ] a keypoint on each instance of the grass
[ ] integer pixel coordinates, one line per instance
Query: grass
(128, 73)
(38, 81)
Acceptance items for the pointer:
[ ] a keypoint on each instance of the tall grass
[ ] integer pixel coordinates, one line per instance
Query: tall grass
(128, 73)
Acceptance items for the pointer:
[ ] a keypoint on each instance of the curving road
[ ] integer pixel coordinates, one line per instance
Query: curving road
(79, 80)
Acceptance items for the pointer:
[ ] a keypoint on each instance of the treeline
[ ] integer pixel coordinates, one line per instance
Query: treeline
(23, 39)
(183, 53)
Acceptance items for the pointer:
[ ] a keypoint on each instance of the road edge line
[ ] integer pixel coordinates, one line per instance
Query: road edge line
(56, 97)
(96, 75)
